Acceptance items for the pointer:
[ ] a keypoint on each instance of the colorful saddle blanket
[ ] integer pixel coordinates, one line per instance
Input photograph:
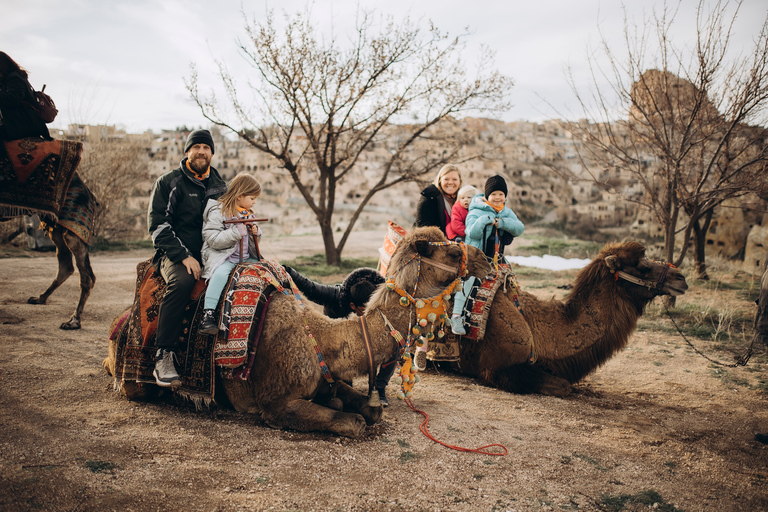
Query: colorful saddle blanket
(246, 298)
(35, 175)
(478, 305)
(242, 298)
(135, 354)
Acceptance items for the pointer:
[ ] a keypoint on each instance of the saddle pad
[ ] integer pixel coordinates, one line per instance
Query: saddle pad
(35, 174)
(394, 234)
(135, 354)
(478, 306)
(245, 288)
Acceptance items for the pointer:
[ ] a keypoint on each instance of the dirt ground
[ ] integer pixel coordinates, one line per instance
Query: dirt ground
(658, 427)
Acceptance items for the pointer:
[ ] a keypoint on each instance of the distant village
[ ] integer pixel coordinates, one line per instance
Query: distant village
(549, 185)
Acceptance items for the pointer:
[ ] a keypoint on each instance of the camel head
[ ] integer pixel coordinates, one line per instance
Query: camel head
(644, 278)
(414, 260)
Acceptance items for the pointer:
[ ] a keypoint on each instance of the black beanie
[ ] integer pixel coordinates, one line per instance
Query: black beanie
(495, 183)
(199, 137)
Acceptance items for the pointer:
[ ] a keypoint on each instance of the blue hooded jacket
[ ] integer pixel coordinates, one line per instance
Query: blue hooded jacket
(479, 225)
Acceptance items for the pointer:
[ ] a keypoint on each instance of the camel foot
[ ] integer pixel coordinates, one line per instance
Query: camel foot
(554, 388)
(353, 428)
(36, 300)
(71, 324)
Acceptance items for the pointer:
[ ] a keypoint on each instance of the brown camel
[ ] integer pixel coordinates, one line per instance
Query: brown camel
(69, 245)
(570, 338)
(286, 386)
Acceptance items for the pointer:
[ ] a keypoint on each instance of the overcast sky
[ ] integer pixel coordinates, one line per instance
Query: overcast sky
(123, 62)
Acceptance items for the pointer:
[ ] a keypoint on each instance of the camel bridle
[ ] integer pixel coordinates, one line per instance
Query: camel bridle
(406, 300)
(657, 285)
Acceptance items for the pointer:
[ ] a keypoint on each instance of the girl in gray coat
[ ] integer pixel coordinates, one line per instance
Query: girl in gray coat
(226, 245)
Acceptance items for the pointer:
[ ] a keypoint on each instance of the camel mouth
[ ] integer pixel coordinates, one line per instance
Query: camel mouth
(676, 289)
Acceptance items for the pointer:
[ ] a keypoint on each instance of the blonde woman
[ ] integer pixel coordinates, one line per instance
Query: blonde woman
(436, 201)
(222, 247)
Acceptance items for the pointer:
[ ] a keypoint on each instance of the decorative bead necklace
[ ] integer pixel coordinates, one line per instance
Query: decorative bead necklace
(431, 314)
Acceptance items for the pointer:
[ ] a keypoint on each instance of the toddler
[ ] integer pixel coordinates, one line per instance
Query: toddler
(226, 245)
(455, 229)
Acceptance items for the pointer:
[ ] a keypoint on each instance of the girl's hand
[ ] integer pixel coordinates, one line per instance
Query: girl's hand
(254, 229)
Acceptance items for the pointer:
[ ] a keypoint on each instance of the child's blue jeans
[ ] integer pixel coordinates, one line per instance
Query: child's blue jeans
(218, 281)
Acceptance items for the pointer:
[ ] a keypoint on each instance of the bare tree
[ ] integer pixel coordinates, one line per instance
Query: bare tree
(316, 104)
(685, 123)
(113, 168)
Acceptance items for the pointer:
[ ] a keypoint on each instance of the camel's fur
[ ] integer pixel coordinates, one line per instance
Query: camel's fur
(572, 338)
(69, 245)
(286, 386)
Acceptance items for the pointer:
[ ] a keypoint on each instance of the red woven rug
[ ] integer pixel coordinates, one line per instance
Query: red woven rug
(247, 285)
(135, 355)
(35, 175)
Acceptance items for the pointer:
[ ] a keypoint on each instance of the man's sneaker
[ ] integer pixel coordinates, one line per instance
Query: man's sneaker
(208, 322)
(165, 370)
(420, 360)
(383, 397)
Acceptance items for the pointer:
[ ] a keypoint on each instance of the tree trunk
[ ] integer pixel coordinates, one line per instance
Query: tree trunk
(332, 255)
(699, 246)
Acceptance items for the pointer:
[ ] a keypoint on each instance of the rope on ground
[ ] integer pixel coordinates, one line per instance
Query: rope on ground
(424, 427)
(742, 361)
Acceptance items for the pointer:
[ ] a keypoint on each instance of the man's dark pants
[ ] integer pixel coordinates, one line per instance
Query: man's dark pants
(179, 284)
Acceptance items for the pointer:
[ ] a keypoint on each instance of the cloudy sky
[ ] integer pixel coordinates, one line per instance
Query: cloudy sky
(123, 62)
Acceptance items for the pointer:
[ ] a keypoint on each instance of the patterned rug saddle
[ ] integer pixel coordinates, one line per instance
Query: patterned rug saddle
(477, 308)
(243, 308)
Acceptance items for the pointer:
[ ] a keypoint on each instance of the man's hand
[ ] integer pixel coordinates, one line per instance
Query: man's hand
(193, 266)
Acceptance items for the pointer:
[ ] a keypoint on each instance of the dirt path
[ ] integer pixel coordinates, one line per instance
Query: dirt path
(656, 424)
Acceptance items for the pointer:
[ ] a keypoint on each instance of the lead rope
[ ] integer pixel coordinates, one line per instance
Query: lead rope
(742, 361)
(424, 427)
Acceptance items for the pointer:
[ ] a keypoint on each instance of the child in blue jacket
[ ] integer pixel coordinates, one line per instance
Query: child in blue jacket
(489, 226)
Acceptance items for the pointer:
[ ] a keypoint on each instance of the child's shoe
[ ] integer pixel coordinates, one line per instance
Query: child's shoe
(457, 325)
(208, 322)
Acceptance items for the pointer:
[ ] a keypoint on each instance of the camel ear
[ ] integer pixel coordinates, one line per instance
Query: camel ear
(423, 248)
(613, 262)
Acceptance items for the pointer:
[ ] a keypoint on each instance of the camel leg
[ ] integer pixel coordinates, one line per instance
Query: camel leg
(302, 415)
(87, 278)
(66, 269)
(525, 379)
(357, 402)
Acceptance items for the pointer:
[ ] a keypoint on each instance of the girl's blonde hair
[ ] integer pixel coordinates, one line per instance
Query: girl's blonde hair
(467, 189)
(241, 185)
(443, 171)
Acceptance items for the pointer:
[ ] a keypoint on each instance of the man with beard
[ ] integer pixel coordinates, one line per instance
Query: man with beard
(175, 221)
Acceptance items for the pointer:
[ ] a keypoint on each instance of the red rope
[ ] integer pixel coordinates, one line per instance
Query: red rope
(424, 427)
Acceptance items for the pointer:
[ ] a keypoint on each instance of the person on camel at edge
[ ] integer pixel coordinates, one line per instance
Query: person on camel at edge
(18, 116)
(175, 220)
